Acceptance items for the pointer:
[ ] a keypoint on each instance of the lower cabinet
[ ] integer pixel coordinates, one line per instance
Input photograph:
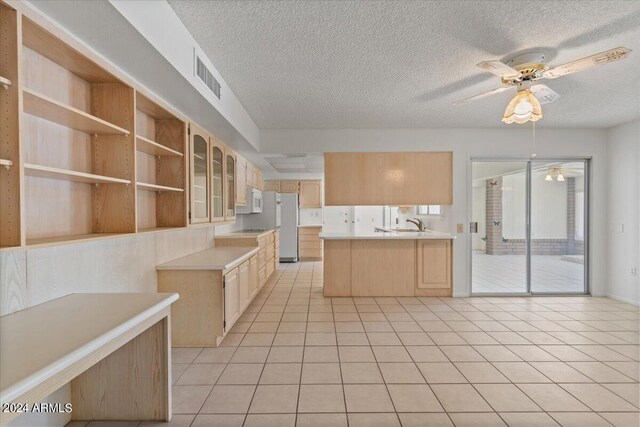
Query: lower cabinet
(434, 268)
(309, 243)
(254, 283)
(231, 286)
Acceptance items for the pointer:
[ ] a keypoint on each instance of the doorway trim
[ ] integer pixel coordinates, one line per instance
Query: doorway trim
(587, 223)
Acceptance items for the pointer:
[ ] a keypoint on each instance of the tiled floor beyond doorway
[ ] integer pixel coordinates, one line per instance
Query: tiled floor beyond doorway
(507, 274)
(297, 358)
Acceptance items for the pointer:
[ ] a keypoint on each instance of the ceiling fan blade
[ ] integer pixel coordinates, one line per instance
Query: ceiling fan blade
(588, 62)
(498, 68)
(482, 95)
(544, 93)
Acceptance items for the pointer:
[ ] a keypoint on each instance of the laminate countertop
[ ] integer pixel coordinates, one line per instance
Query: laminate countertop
(41, 341)
(244, 234)
(389, 235)
(220, 258)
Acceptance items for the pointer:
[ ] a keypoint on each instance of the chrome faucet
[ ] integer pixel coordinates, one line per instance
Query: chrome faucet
(418, 223)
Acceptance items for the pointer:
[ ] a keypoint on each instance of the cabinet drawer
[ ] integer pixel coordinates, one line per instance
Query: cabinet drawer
(305, 253)
(309, 238)
(309, 230)
(310, 245)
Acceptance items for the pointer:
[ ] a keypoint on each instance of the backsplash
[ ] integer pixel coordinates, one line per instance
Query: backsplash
(310, 216)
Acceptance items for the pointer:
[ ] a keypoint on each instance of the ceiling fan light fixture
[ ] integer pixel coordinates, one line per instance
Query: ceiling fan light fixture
(523, 107)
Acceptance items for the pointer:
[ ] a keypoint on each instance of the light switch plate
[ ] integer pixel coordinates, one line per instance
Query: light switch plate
(460, 228)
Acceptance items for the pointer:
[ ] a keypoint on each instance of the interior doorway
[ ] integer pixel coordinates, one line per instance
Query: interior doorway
(532, 227)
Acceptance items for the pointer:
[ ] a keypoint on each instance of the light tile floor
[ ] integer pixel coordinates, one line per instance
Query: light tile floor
(507, 274)
(296, 358)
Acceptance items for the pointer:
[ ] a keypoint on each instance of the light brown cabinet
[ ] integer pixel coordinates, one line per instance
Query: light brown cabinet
(217, 180)
(267, 258)
(434, 267)
(393, 179)
(200, 174)
(310, 194)
(387, 267)
(289, 186)
(231, 287)
(254, 284)
(272, 186)
(230, 177)
(309, 243)
(241, 185)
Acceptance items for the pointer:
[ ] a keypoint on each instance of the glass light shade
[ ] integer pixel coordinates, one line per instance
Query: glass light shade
(548, 178)
(560, 177)
(523, 107)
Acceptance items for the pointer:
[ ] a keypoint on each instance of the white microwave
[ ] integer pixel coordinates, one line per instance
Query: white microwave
(253, 202)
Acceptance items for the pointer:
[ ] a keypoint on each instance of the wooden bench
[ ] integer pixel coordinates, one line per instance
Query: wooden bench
(114, 349)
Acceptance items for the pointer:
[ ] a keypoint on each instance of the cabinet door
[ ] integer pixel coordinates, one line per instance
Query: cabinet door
(217, 181)
(310, 194)
(434, 265)
(272, 186)
(199, 149)
(289, 186)
(241, 181)
(231, 299)
(230, 174)
(253, 277)
(243, 284)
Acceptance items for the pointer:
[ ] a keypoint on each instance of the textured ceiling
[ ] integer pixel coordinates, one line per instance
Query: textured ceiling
(347, 64)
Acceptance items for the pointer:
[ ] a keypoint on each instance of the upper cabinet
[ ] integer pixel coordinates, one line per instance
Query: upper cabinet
(242, 181)
(393, 179)
(272, 186)
(289, 186)
(217, 180)
(200, 173)
(310, 194)
(230, 172)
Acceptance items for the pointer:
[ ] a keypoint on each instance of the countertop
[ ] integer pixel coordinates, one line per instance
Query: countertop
(241, 234)
(220, 258)
(41, 341)
(310, 225)
(387, 235)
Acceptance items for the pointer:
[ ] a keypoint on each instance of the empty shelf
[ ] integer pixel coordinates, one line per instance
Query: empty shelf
(155, 187)
(6, 163)
(49, 109)
(151, 147)
(69, 175)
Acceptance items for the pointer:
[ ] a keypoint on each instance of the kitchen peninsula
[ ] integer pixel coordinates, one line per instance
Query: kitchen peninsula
(380, 264)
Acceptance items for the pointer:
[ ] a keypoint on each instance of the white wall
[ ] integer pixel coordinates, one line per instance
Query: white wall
(508, 141)
(623, 223)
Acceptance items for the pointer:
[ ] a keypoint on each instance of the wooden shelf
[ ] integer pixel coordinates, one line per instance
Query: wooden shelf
(5, 82)
(6, 163)
(49, 109)
(56, 240)
(155, 187)
(153, 148)
(69, 175)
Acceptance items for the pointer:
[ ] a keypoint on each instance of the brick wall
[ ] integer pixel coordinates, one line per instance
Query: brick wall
(496, 245)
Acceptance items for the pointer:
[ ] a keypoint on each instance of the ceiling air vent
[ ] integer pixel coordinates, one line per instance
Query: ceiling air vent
(207, 77)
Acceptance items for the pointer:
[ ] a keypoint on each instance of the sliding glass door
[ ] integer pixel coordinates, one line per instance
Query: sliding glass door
(531, 223)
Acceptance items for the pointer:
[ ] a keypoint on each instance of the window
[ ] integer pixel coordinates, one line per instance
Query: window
(431, 210)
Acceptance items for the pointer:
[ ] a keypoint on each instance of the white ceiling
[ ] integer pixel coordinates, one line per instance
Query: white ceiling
(296, 163)
(344, 64)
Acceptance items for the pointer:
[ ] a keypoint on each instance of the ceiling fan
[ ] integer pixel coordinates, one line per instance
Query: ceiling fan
(522, 71)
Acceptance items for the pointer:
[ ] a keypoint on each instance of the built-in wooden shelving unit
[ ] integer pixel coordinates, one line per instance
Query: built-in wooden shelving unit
(69, 175)
(49, 109)
(161, 144)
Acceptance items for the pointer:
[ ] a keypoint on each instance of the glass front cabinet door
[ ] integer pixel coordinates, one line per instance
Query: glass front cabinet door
(199, 175)
(217, 181)
(231, 183)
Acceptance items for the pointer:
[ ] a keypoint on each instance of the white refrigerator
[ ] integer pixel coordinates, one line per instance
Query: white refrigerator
(289, 228)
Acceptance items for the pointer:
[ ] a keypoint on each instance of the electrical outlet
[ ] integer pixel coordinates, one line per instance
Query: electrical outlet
(460, 228)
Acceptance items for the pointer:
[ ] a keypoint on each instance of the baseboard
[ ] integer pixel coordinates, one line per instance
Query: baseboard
(622, 299)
